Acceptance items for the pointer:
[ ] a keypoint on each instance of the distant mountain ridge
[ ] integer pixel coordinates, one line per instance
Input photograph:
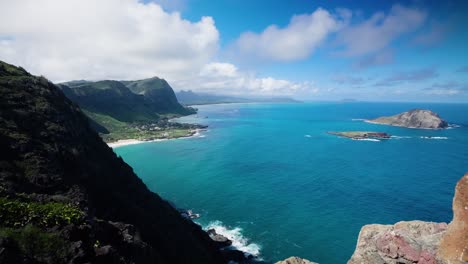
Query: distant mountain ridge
(137, 109)
(198, 98)
(127, 101)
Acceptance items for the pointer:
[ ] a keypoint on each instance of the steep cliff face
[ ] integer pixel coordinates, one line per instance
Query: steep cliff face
(404, 242)
(111, 98)
(49, 155)
(160, 94)
(453, 247)
(418, 241)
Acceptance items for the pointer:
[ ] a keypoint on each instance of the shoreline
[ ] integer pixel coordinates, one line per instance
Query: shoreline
(127, 142)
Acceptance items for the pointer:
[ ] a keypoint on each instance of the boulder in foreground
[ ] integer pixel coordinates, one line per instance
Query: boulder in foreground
(295, 260)
(417, 241)
(454, 244)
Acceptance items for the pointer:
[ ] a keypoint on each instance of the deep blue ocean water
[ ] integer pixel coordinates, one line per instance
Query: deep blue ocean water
(270, 176)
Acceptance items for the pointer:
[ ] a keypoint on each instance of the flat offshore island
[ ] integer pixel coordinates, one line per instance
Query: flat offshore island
(361, 134)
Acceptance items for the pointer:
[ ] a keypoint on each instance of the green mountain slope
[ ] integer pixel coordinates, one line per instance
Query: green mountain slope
(160, 93)
(65, 197)
(130, 109)
(111, 98)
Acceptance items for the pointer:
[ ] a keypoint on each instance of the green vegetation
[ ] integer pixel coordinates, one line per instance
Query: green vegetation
(121, 130)
(129, 109)
(15, 213)
(37, 244)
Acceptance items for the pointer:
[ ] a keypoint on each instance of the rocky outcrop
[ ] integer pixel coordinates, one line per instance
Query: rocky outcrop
(416, 118)
(220, 240)
(295, 260)
(453, 247)
(404, 242)
(418, 241)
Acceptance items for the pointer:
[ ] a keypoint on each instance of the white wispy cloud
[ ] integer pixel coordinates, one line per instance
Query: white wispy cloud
(378, 32)
(296, 41)
(409, 76)
(226, 78)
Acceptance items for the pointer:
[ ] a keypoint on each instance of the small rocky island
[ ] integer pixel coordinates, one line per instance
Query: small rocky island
(417, 118)
(361, 135)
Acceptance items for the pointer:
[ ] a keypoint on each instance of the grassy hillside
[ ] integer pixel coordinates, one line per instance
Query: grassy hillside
(130, 109)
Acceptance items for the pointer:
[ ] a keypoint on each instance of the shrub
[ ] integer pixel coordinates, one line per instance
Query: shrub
(15, 213)
(37, 244)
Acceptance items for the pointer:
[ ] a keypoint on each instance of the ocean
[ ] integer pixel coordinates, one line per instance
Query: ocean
(270, 177)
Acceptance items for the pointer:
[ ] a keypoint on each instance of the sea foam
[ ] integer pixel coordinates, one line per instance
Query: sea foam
(399, 137)
(367, 139)
(434, 137)
(239, 241)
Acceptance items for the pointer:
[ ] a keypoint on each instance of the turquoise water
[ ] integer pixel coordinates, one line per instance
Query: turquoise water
(269, 176)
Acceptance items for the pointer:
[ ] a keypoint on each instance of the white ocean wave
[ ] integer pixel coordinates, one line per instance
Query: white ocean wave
(367, 139)
(239, 241)
(424, 137)
(358, 119)
(307, 136)
(452, 126)
(399, 137)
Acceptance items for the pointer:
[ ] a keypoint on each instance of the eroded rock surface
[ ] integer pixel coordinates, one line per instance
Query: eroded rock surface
(404, 242)
(454, 244)
(295, 260)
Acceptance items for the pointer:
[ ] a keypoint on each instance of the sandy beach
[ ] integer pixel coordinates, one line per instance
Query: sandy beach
(125, 142)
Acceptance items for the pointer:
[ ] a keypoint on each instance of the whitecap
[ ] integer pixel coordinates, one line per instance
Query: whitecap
(307, 136)
(367, 139)
(239, 241)
(358, 119)
(399, 137)
(424, 137)
(452, 126)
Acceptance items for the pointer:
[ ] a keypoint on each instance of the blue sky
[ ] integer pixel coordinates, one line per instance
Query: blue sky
(310, 50)
(432, 54)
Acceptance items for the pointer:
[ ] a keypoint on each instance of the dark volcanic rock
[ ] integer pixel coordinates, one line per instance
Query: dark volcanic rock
(413, 119)
(220, 240)
(50, 152)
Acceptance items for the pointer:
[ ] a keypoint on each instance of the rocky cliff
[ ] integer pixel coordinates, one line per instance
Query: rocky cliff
(454, 244)
(65, 197)
(417, 118)
(295, 260)
(417, 241)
